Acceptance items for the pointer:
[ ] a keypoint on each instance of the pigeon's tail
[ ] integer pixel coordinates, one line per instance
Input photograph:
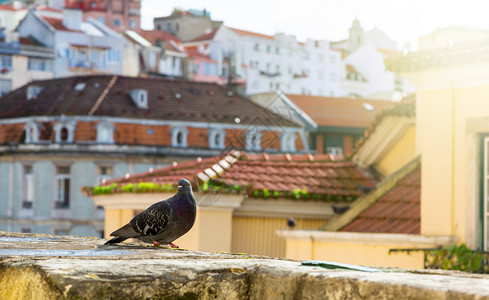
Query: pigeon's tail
(116, 240)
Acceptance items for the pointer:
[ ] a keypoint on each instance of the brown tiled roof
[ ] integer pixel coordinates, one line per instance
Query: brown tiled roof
(57, 24)
(305, 177)
(347, 112)
(153, 36)
(398, 211)
(168, 99)
(205, 36)
(253, 34)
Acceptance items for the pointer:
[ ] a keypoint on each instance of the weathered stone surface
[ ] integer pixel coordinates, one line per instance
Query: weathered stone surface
(73, 268)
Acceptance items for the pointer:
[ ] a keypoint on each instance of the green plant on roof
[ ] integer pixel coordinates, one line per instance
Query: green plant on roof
(304, 194)
(315, 196)
(255, 193)
(128, 188)
(275, 194)
(266, 193)
(205, 186)
(296, 194)
(237, 188)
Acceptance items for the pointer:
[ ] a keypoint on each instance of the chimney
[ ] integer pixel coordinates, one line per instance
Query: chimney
(72, 18)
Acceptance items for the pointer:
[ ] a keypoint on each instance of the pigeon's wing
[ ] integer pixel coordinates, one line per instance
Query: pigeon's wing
(153, 220)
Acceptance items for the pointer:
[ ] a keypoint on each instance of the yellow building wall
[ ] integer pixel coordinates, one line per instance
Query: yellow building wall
(400, 154)
(450, 174)
(364, 254)
(257, 235)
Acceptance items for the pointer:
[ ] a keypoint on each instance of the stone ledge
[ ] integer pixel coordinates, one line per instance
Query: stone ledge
(55, 267)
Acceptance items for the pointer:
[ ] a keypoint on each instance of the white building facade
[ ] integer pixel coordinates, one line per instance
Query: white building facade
(277, 62)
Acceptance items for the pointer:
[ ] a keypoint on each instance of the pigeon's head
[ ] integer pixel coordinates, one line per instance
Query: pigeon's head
(184, 185)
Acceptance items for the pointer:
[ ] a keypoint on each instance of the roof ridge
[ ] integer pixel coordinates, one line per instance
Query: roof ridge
(363, 203)
(103, 95)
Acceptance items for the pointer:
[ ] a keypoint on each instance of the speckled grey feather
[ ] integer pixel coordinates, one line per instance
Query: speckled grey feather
(164, 221)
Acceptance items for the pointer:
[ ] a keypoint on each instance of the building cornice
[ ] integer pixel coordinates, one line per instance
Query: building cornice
(148, 122)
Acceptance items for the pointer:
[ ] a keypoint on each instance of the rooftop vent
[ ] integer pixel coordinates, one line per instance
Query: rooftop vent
(33, 91)
(140, 98)
(80, 86)
(178, 96)
(230, 93)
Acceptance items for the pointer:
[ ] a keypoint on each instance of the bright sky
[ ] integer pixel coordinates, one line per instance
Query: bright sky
(402, 20)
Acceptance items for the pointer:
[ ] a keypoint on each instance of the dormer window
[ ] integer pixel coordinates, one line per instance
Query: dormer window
(253, 140)
(140, 98)
(31, 130)
(179, 137)
(216, 138)
(287, 140)
(105, 133)
(33, 91)
(64, 132)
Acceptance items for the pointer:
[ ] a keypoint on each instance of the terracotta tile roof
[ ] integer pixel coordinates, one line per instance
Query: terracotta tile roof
(193, 52)
(250, 33)
(168, 99)
(57, 24)
(11, 8)
(153, 36)
(305, 177)
(206, 36)
(398, 211)
(346, 112)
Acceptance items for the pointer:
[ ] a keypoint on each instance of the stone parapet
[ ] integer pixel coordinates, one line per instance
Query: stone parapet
(58, 267)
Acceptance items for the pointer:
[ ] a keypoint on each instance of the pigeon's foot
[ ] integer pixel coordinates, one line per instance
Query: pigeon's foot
(174, 246)
(156, 244)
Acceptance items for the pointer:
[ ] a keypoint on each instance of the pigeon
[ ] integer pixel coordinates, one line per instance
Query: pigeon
(340, 209)
(162, 222)
(291, 223)
(364, 189)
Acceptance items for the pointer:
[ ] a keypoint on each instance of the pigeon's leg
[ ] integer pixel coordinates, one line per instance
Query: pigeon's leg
(156, 244)
(173, 245)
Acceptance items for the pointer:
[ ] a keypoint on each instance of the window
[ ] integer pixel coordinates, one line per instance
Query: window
(196, 69)
(39, 64)
(93, 4)
(5, 86)
(177, 26)
(63, 177)
(216, 138)
(28, 187)
(320, 75)
(253, 140)
(6, 61)
(101, 20)
(257, 47)
(287, 140)
(133, 24)
(179, 137)
(277, 50)
(64, 131)
(31, 132)
(117, 22)
(169, 27)
(334, 150)
(105, 133)
(269, 48)
(104, 173)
